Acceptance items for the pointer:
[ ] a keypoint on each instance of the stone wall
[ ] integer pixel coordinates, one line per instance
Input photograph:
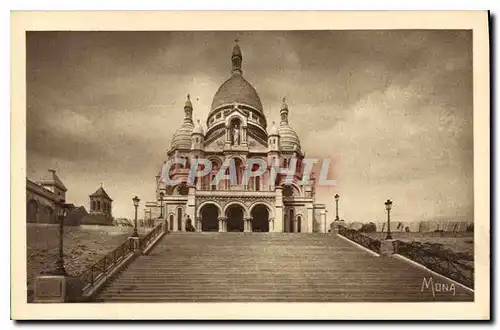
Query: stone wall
(40, 204)
(417, 226)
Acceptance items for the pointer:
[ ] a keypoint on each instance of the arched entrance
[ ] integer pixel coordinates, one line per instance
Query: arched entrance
(179, 219)
(260, 218)
(299, 224)
(291, 221)
(209, 218)
(171, 222)
(234, 216)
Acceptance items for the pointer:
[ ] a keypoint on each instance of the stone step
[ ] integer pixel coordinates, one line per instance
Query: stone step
(359, 297)
(237, 267)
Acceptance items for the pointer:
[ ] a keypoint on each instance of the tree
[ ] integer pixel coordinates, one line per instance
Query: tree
(368, 228)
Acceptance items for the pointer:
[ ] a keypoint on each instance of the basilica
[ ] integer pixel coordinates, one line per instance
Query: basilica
(237, 129)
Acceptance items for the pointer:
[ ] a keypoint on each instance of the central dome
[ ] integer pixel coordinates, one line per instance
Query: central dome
(237, 90)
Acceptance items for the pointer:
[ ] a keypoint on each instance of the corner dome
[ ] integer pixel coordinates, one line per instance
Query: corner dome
(182, 136)
(236, 90)
(288, 139)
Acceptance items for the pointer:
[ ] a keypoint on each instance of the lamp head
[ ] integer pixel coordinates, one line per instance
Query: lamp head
(136, 201)
(64, 209)
(337, 197)
(388, 204)
(162, 194)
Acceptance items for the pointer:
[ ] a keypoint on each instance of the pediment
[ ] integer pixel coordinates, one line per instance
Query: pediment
(216, 143)
(255, 142)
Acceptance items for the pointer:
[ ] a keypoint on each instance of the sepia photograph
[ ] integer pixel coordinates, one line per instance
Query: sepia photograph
(242, 165)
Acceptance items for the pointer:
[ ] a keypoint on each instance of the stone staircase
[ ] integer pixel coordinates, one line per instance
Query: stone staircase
(208, 267)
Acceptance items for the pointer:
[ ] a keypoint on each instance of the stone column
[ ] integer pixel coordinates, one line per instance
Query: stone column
(227, 142)
(278, 211)
(271, 225)
(221, 224)
(244, 141)
(247, 225)
(198, 224)
(323, 221)
(294, 224)
(224, 224)
(191, 206)
(310, 216)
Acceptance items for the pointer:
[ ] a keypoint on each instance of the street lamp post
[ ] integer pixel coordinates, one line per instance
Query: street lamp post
(161, 204)
(62, 213)
(136, 201)
(337, 198)
(388, 206)
(52, 287)
(150, 220)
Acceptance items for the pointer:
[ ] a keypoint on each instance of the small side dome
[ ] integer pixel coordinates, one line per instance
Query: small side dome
(273, 130)
(289, 140)
(198, 129)
(182, 136)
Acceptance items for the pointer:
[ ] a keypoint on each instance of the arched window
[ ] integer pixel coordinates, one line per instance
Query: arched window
(299, 223)
(98, 205)
(237, 166)
(92, 205)
(179, 219)
(214, 186)
(227, 181)
(171, 222)
(257, 183)
(291, 219)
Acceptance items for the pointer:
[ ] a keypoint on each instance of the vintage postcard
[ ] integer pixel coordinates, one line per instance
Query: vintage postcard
(250, 165)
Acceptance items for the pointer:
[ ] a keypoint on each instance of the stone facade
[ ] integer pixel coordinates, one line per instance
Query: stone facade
(43, 198)
(237, 130)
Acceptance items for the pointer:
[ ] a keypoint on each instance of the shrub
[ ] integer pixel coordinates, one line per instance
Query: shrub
(368, 228)
(470, 228)
(407, 229)
(440, 231)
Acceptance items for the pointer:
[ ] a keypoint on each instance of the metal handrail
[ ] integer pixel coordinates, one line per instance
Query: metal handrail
(99, 269)
(145, 241)
(361, 239)
(446, 264)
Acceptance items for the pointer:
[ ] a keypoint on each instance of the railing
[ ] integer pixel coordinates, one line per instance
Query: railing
(357, 237)
(444, 263)
(96, 271)
(146, 241)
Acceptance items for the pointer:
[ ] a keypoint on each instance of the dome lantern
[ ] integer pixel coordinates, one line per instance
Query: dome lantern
(188, 110)
(236, 59)
(284, 112)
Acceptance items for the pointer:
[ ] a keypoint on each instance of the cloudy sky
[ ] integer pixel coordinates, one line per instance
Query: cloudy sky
(392, 109)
